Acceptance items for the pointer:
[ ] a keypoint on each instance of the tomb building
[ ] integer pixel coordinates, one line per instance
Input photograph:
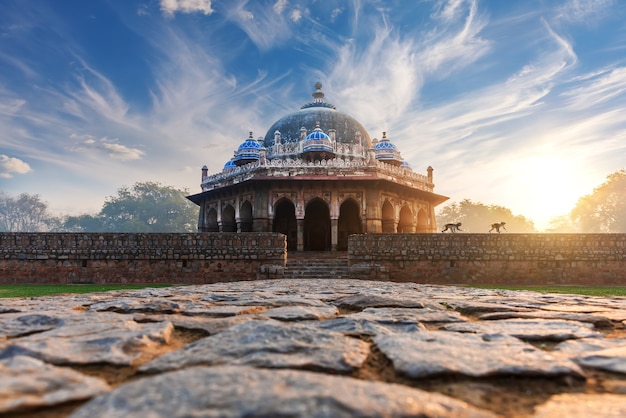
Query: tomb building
(317, 177)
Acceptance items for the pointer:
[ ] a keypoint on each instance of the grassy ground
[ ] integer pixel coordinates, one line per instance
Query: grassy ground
(32, 290)
(576, 290)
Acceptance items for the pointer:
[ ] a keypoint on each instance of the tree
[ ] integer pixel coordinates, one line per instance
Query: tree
(144, 207)
(25, 213)
(477, 217)
(604, 210)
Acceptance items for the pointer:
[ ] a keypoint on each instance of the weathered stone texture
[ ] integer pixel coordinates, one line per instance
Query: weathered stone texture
(140, 258)
(310, 348)
(527, 259)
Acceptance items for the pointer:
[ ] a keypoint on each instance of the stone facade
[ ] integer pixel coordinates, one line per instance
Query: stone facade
(498, 259)
(65, 258)
(317, 177)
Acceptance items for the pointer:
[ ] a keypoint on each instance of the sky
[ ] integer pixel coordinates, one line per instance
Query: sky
(518, 103)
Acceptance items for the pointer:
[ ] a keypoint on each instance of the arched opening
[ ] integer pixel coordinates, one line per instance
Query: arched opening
(245, 217)
(211, 221)
(228, 219)
(423, 222)
(349, 223)
(317, 226)
(405, 225)
(388, 218)
(285, 222)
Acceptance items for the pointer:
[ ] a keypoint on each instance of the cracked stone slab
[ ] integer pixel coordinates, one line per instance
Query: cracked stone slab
(27, 383)
(302, 313)
(208, 324)
(584, 346)
(244, 391)
(269, 344)
(92, 339)
(597, 320)
(356, 326)
(473, 306)
(393, 316)
(136, 305)
(362, 301)
(12, 326)
(582, 406)
(529, 329)
(420, 355)
(609, 359)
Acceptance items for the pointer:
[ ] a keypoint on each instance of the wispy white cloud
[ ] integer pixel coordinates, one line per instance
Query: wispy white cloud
(171, 7)
(598, 88)
(11, 165)
(456, 42)
(585, 11)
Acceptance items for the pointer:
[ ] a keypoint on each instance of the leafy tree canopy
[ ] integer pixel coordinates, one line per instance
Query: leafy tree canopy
(144, 207)
(478, 217)
(604, 210)
(25, 213)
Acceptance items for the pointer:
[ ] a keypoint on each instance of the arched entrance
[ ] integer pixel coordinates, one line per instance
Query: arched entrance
(285, 222)
(228, 219)
(317, 226)
(405, 225)
(349, 223)
(245, 217)
(388, 218)
(211, 221)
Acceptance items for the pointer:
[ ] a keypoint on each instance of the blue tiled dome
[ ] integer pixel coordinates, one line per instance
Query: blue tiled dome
(387, 152)
(230, 165)
(317, 141)
(248, 151)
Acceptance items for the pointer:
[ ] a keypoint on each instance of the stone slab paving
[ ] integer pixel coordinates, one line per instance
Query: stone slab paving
(313, 348)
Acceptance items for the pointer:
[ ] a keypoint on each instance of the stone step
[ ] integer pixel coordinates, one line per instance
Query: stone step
(309, 266)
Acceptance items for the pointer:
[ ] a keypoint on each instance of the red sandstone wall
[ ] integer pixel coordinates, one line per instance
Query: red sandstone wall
(63, 258)
(498, 259)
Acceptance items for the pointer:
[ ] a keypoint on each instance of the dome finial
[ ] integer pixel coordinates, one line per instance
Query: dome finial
(318, 94)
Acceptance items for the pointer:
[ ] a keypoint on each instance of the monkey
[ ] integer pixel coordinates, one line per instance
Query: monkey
(497, 227)
(452, 227)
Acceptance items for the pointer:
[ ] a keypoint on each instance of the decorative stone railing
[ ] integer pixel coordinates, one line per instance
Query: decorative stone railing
(242, 173)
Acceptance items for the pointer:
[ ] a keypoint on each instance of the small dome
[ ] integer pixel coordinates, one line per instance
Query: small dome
(317, 141)
(230, 165)
(387, 152)
(248, 151)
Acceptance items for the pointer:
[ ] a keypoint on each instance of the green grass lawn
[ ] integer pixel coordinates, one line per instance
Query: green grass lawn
(32, 290)
(576, 290)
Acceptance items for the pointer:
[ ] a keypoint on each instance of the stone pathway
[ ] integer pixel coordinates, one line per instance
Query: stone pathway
(313, 348)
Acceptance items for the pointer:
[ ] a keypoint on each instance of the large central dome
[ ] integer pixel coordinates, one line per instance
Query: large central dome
(321, 113)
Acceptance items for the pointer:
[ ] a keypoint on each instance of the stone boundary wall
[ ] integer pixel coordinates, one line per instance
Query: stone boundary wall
(127, 258)
(490, 259)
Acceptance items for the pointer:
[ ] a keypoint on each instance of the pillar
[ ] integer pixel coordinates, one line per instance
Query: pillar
(334, 228)
(300, 233)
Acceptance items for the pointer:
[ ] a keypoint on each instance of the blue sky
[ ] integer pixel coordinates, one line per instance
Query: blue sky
(515, 103)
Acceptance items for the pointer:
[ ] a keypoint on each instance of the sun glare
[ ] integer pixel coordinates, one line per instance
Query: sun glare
(547, 187)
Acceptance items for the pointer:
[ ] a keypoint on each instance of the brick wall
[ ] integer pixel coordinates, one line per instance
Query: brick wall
(502, 259)
(65, 258)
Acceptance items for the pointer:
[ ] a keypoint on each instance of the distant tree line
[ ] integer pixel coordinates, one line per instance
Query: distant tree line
(604, 210)
(143, 207)
(153, 207)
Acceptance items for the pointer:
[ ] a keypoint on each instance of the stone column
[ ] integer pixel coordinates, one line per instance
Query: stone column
(300, 233)
(334, 227)
(201, 223)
